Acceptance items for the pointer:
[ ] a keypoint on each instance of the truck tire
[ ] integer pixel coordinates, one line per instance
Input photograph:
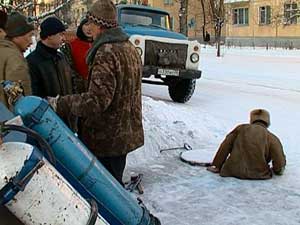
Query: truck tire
(182, 90)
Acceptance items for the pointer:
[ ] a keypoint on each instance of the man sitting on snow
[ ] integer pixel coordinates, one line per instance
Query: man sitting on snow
(247, 150)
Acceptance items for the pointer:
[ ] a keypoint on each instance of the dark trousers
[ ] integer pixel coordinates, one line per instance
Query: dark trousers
(7, 218)
(115, 165)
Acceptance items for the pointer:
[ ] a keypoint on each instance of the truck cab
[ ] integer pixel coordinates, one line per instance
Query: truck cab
(168, 57)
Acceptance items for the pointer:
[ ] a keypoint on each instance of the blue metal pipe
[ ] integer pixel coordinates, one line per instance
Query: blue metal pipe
(111, 197)
(5, 114)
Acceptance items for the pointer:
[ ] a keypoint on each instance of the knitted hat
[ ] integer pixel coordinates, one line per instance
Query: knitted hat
(17, 25)
(260, 115)
(3, 19)
(51, 26)
(103, 13)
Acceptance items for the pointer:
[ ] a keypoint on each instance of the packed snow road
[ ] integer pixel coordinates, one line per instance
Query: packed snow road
(231, 86)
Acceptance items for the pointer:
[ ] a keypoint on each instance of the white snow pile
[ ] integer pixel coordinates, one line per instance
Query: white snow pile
(170, 126)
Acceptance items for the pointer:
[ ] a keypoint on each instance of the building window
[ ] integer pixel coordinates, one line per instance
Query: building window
(264, 15)
(291, 13)
(168, 2)
(136, 2)
(241, 16)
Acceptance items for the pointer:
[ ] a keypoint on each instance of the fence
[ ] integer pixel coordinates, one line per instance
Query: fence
(267, 42)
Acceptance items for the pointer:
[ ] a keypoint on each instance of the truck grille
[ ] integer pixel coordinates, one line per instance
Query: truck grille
(165, 55)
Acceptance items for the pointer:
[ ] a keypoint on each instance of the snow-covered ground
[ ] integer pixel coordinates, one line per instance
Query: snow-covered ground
(231, 86)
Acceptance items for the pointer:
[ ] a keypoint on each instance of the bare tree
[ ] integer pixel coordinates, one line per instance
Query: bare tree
(26, 6)
(217, 12)
(284, 14)
(183, 12)
(53, 11)
(276, 18)
(17, 5)
(204, 17)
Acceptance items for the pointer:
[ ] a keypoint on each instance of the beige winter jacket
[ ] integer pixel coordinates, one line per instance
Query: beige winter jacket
(246, 152)
(13, 67)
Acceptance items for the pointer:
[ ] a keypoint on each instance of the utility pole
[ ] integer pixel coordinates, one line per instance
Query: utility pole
(183, 17)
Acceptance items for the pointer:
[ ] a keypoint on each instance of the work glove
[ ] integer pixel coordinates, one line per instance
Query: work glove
(67, 117)
(213, 169)
(53, 102)
(279, 172)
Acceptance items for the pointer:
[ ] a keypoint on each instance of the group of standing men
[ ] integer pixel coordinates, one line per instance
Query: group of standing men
(107, 109)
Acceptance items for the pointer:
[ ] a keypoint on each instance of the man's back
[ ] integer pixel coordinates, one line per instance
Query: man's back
(124, 113)
(253, 148)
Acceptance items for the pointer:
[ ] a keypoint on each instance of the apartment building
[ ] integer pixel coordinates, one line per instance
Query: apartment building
(247, 22)
(195, 16)
(263, 23)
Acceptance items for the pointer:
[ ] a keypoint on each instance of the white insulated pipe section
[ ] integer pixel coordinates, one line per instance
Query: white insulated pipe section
(48, 198)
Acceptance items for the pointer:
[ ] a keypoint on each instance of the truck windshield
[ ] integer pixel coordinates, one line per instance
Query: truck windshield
(145, 18)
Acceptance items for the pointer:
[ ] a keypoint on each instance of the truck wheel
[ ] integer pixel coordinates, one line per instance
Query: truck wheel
(182, 90)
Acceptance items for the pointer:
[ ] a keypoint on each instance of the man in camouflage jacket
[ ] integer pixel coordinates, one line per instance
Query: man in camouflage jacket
(247, 151)
(110, 110)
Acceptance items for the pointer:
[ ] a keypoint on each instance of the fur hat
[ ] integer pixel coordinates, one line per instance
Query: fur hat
(17, 25)
(51, 26)
(103, 13)
(260, 115)
(3, 19)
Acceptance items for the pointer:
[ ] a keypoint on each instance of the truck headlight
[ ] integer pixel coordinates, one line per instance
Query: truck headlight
(194, 57)
(139, 50)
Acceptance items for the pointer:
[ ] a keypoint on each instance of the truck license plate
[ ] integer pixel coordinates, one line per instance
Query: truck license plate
(168, 72)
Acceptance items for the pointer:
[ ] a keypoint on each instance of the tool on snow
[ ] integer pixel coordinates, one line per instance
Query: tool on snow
(185, 146)
(135, 183)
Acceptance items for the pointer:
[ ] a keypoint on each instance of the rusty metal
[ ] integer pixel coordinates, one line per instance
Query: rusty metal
(13, 91)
